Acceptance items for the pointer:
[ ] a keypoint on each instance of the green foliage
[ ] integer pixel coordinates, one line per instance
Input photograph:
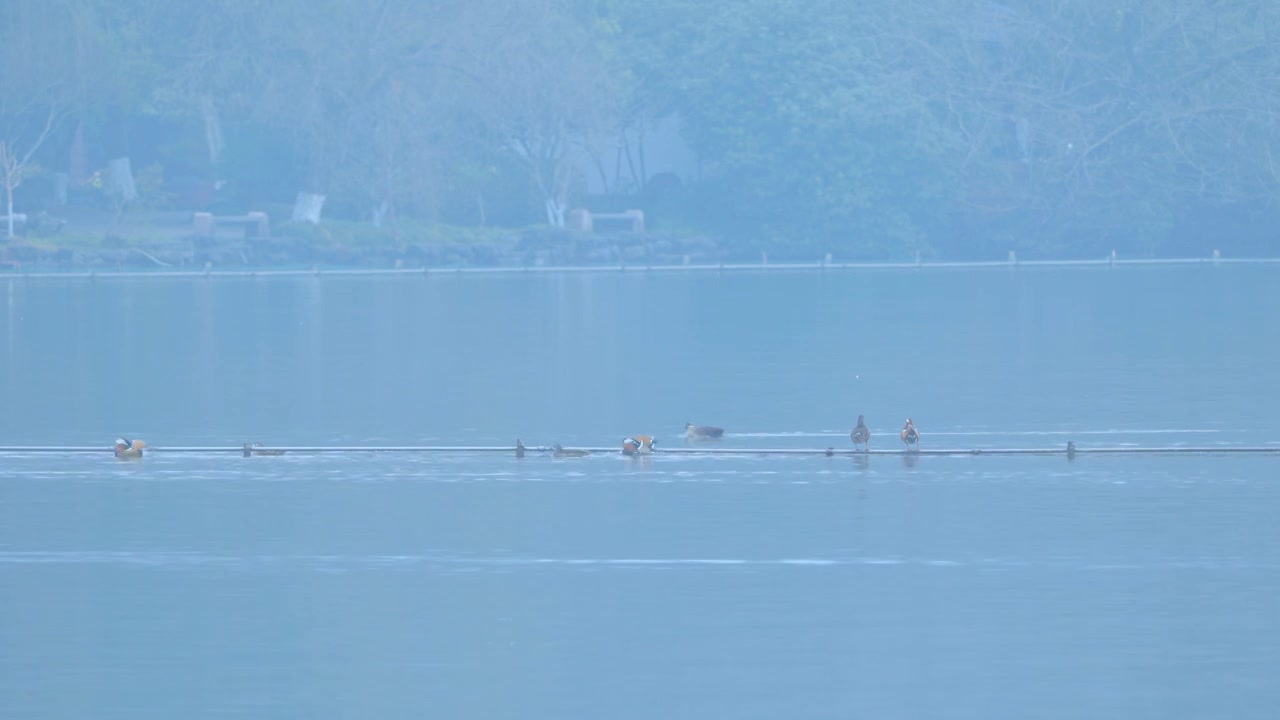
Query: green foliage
(806, 141)
(948, 127)
(153, 194)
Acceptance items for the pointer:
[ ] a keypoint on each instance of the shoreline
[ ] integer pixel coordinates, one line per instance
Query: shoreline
(621, 268)
(166, 248)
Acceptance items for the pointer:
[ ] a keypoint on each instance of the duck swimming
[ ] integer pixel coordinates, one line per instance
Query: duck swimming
(861, 435)
(910, 436)
(558, 451)
(638, 445)
(699, 432)
(126, 449)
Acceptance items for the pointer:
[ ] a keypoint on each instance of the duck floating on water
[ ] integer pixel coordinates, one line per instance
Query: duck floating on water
(910, 436)
(701, 432)
(861, 435)
(558, 451)
(258, 449)
(638, 445)
(126, 449)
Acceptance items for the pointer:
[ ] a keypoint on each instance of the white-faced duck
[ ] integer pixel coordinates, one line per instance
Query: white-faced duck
(129, 449)
(638, 445)
(910, 436)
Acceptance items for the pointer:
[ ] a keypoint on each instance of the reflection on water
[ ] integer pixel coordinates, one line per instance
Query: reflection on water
(11, 330)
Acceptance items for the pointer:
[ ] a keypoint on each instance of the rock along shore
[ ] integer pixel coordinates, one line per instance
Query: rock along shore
(519, 249)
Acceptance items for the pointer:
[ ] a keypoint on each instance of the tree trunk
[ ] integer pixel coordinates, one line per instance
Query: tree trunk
(644, 170)
(78, 160)
(380, 211)
(213, 138)
(599, 165)
(555, 212)
(60, 181)
(8, 166)
(122, 185)
(636, 181)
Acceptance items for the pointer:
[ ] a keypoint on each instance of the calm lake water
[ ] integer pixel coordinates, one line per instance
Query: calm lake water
(474, 586)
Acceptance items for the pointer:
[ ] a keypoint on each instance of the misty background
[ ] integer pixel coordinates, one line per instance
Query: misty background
(955, 129)
(1127, 581)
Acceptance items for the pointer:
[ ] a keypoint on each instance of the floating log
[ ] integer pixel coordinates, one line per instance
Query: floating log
(1070, 450)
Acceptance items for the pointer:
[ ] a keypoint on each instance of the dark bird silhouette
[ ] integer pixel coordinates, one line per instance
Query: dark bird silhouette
(558, 451)
(698, 432)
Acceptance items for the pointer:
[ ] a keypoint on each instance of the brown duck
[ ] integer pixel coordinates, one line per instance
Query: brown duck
(558, 451)
(861, 435)
(700, 432)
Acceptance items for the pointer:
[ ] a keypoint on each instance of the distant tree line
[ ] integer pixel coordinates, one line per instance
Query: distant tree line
(960, 128)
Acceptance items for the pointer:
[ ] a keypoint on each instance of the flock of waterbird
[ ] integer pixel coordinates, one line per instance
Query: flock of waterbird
(861, 435)
(644, 444)
(126, 449)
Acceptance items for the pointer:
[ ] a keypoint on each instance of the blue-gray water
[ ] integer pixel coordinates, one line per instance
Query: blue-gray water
(406, 586)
